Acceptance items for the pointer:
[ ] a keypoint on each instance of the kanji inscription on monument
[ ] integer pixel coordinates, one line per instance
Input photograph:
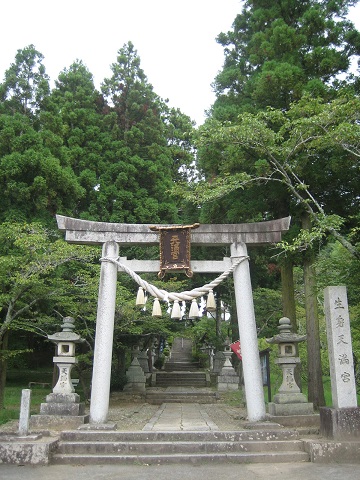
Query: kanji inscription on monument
(343, 386)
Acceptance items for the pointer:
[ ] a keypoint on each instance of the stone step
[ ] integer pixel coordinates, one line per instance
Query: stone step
(181, 366)
(159, 399)
(194, 459)
(181, 379)
(155, 447)
(178, 374)
(264, 434)
(181, 350)
(167, 448)
(170, 383)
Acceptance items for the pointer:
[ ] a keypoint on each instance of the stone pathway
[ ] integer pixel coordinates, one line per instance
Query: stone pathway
(135, 415)
(181, 416)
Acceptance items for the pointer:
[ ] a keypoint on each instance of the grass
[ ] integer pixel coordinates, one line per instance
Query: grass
(13, 400)
(233, 398)
(17, 380)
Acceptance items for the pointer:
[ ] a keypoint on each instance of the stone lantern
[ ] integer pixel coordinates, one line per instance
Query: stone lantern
(65, 355)
(289, 400)
(63, 407)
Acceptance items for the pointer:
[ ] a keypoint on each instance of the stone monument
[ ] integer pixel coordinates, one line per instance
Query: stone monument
(289, 400)
(342, 421)
(219, 360)
(136, 378)
(228, 379)
(144, 362)
(63, 408)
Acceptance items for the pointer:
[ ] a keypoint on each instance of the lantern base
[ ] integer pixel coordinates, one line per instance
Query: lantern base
(286, 409)
(57, 422)
(59, 412)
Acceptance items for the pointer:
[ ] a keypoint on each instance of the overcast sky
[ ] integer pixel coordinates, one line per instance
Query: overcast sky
(174, 39)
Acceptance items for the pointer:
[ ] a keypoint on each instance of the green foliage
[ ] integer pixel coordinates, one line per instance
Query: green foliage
(32, 281)
(276, 51)
(204, 331)
(26, 84)
(270, 147)
(145, 151)
(287, 142)
(107, 156)
(34, 183)
(268, 311)
(117, 383)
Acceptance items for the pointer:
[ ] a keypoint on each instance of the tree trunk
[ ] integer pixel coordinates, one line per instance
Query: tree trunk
(314, 368)
(218, 318)
(234, 322)
(3, 368)
(288, 292)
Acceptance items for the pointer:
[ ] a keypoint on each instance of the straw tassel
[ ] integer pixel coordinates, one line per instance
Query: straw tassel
(194, 309)
(210, 303)
(140, 297)
(156, 308)
(175, 312)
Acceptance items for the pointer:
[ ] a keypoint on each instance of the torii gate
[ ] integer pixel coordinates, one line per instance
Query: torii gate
(238, 236)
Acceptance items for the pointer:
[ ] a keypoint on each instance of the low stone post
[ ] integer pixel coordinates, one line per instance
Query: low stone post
(24, 418)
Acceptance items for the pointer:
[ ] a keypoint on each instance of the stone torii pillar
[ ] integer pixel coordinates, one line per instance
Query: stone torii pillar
(237, 236)
(254, 390)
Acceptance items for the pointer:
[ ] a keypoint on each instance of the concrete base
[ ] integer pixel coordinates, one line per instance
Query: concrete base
(340, 423)
(227, 387)
(57, 422)
(26, 450)
(135, 387)
(333, 452)
(290, 398)
(297, 421)
(228, 380)
(284, 409)
(72, 409)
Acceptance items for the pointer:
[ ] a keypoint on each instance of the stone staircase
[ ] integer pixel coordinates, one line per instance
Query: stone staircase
(146, 447)
(181, 357)
(158, 396)
(181, 380)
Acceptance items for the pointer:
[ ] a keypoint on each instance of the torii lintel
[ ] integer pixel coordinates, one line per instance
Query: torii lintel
(98, 233)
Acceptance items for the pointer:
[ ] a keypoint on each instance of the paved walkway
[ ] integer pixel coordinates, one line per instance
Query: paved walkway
(264, 471)
(181, 416)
